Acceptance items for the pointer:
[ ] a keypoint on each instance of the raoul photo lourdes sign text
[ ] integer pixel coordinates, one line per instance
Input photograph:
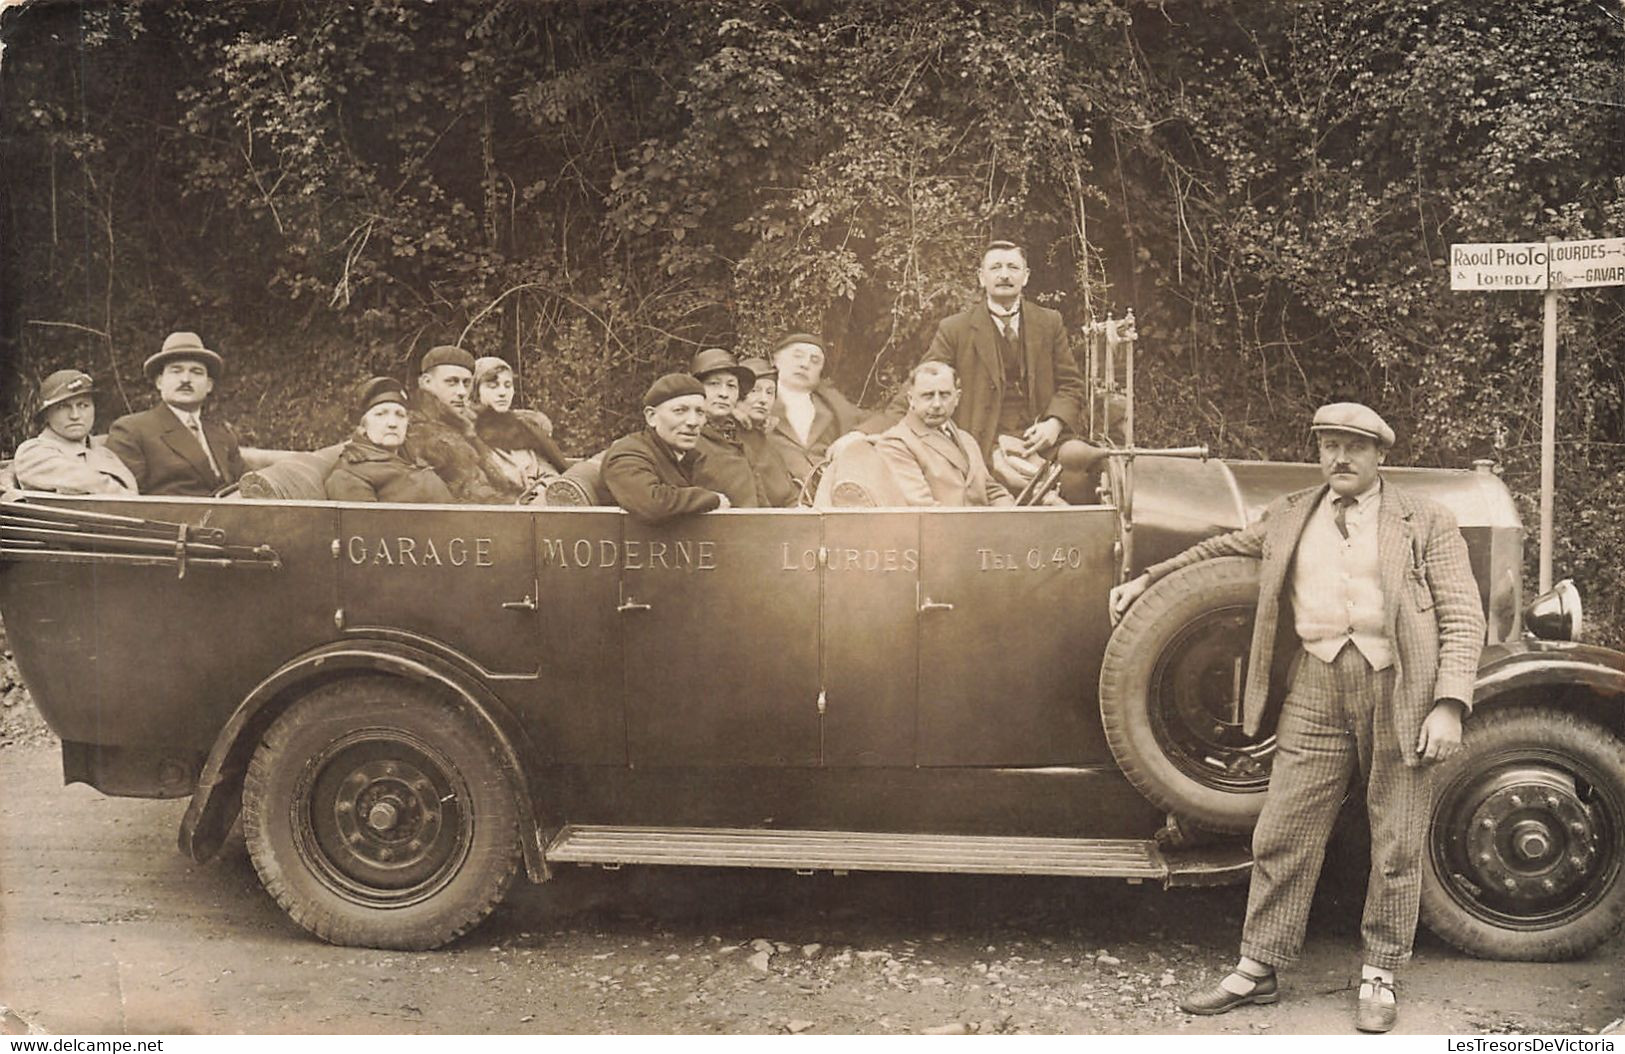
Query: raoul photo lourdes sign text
(1540, 267)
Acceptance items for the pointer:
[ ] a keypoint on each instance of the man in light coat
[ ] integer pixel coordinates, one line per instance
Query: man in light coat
(1370, 587)
(933, 461)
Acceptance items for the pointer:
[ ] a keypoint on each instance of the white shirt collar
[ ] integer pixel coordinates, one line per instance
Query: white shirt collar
(187, 417)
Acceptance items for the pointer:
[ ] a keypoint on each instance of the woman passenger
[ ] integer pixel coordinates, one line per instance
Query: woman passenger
(521, 441)
(372, 467)
(65, 457)
(756, 422)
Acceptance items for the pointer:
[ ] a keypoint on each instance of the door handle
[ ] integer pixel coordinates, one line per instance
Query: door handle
(527, 604)
(630, 603)
(924, 603)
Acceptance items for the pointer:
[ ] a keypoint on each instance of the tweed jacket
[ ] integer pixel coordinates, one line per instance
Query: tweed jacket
(931, 469)
(648, 482)
(1433, 613)
(833, 416)
(49, 462)
(969, 343)
(165, 458)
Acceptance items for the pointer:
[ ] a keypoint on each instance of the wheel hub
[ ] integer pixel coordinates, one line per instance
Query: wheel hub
(1200, 688)
(1531, 840)
(388, 813)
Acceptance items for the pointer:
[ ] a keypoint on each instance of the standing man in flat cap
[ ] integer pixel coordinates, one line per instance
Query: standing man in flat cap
(173, 448)
(440, 432)
(65, 457)
(1020, 379)
(725, 465)
(651, 473)
(1370, 587)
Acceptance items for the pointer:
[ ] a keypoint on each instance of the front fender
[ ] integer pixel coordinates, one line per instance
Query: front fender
(1585, 677)
(217, 797)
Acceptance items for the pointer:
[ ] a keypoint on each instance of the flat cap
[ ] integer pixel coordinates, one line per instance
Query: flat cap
(183, 345)
(800, 338)
(63, 385)
(446, 355)
(375, 390)
(760, 367)
(718, 360)
(1353, 417)
(672, 386)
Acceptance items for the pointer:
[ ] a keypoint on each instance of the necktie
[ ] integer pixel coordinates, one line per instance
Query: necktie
(197, 433)
(1343, 504)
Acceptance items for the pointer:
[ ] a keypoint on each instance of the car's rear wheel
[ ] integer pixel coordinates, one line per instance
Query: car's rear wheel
(377, 814)
(1171, 689)
(1526, 851)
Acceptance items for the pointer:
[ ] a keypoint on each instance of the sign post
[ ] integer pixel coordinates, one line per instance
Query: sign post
(1549, 267)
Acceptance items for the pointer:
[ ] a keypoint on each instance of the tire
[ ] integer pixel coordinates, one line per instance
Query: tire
(379, 816)
(1526, 850)
(1171, 686)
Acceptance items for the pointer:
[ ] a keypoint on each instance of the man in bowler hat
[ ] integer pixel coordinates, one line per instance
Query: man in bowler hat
(651, 474)
(1368, 587)
(175, 448)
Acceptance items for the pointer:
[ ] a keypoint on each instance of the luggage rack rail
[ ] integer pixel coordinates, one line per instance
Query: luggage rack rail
(46, 533)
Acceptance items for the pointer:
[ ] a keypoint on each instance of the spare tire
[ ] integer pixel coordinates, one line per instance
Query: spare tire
(1171, 689)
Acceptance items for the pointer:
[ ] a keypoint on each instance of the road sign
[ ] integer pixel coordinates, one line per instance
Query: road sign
(1579, 265)
(1508, 266)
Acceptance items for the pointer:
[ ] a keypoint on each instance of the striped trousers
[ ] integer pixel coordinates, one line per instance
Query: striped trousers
(1337, 716)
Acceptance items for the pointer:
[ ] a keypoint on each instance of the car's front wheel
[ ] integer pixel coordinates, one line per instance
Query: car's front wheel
(1526, 851)
(379, 815)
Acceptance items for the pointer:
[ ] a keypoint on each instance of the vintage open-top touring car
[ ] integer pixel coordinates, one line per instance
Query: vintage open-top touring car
(403, 703)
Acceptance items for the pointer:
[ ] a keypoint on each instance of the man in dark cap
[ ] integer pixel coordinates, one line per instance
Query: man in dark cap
(65, 457)
(173, 448)
(441, 431)
(724, 464)
(651, 473)
(1369, 586)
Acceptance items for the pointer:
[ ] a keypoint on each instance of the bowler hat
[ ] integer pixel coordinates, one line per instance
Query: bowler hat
(183, 345)
(375, 390)
(801, 338)
(1353, 417)
(760, 367)
(717, 360)
(62, 386)
(672, 386)
(446, 355)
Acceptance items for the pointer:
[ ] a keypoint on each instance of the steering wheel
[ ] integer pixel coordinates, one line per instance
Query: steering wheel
(1044, 481)
(809, 486)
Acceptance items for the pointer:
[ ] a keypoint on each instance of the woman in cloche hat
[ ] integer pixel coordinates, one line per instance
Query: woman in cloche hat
(524, 454)
(371, 467)
(65, 457)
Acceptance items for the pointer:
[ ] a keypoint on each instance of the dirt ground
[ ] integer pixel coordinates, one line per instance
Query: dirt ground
(105, 927)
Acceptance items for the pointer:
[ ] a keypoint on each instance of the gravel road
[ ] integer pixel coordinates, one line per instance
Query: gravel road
(105, 927)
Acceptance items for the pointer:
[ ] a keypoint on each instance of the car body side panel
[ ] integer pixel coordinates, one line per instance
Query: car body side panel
(870, 659)
(581, 718)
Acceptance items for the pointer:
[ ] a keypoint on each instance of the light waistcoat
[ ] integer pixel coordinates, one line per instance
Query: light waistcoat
(1337, 582)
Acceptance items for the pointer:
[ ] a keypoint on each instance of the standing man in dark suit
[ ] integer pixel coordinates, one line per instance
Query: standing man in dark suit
(1014, 364)
(934, 462)
(173, 448)
(651, 473)
(1370, 587)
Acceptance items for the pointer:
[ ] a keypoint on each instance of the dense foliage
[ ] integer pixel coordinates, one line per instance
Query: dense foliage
(595, 190)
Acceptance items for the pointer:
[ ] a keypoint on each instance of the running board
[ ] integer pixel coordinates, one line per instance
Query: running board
(843, 851)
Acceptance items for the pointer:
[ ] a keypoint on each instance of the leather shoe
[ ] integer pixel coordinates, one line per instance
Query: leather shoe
(1372, 1013)
(1216, 999)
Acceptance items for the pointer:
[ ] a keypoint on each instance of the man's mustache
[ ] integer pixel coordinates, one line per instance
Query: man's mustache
(1342, 468)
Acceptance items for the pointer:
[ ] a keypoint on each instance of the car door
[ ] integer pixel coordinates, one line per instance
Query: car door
(719, 614)
(1012, 625)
